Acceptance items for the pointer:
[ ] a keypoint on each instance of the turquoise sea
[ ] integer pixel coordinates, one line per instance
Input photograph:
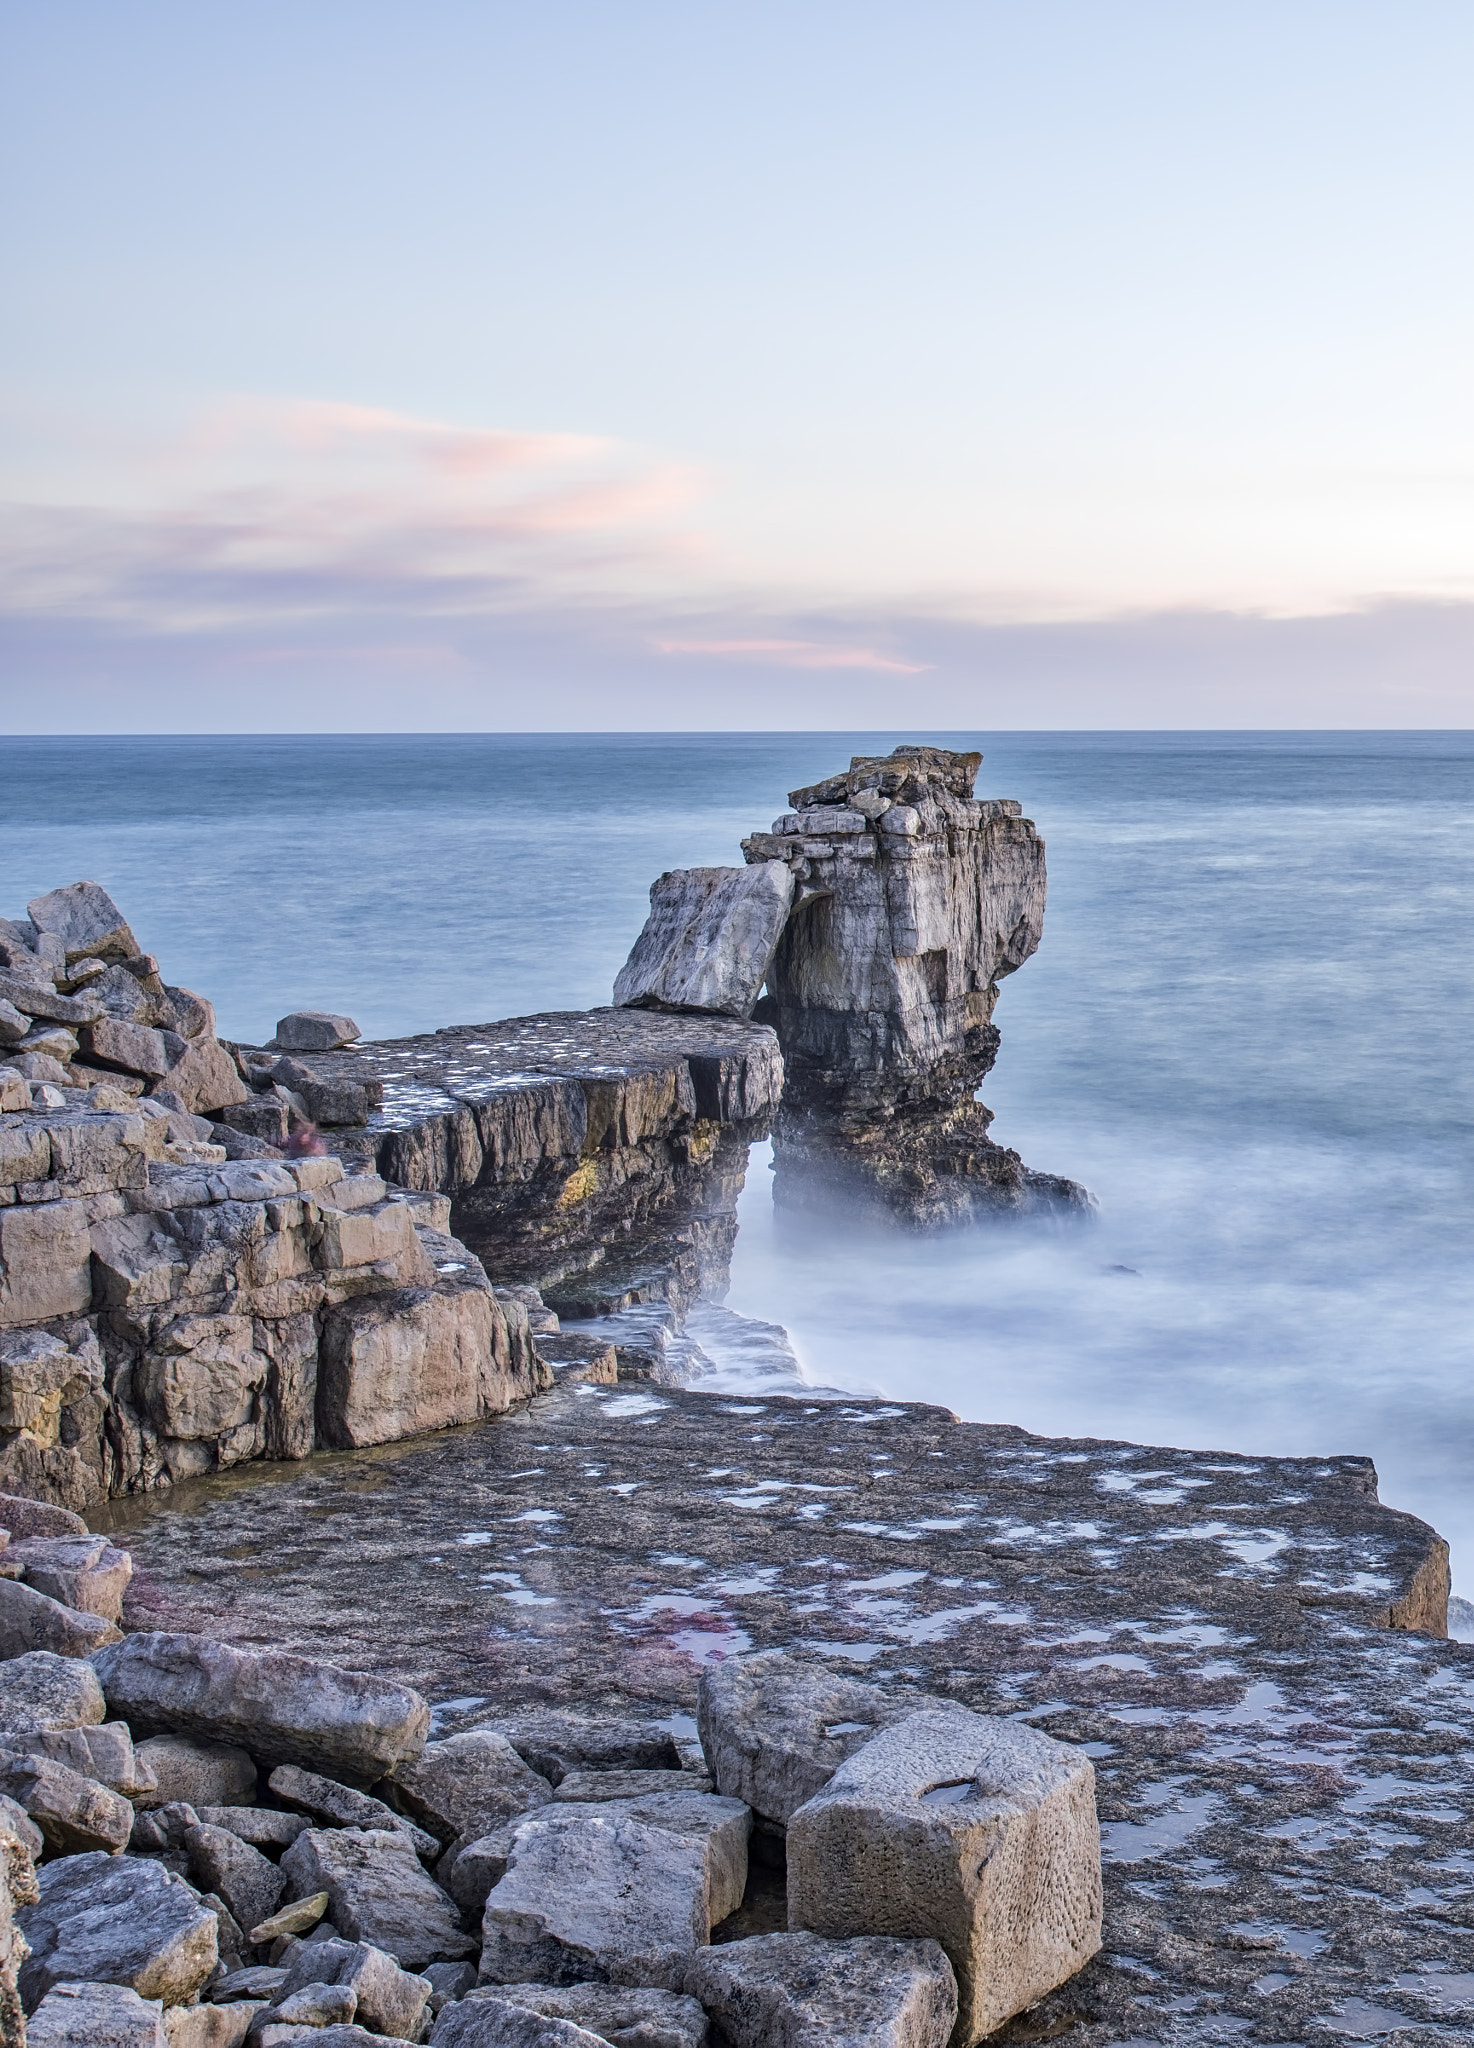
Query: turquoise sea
(1248, 1030)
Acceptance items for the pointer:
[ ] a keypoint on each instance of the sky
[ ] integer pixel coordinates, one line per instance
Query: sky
(480, 366)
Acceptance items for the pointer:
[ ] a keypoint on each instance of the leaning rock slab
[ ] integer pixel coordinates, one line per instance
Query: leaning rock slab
(41, 1691)
(596, 1896)
(467, 1785)
(96, 2016)
(378, 1893)
(774, 1729)
(797, 1991)
(283, 1709)
(342, 1806)
(979, 1832)
(117, 1920)
(709, 940)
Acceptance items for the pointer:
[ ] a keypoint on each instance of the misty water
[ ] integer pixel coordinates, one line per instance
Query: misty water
(1247, 1030)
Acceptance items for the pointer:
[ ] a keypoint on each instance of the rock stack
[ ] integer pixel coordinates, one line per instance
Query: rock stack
(207, 1845)
(882, 911)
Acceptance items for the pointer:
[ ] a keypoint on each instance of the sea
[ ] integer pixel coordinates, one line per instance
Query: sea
(1249, 1031)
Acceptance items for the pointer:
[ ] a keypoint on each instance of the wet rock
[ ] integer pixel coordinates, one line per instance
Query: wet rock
(315, 1031)
(797, 1991)
(709, 940)
(774, 1728)
(42, 1690)
(594, 1895)
(978, 1831)
(82, 1572)
(489, 2020)
(117, 1920)
(467, 1785)
(250, 1885)
(201, 1773)
(96, 2016)
(617, 2013)
(554, 1741)
(73, 1813)
(264, 1827)
(378, 1893)
(342, 1806)
(284, 1708)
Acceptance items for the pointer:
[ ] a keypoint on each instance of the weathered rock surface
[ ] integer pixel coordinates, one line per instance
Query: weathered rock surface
(614, 2012)
(96, 2016)
(264, 1827)
(116, 1920)
(586, 1785)
(387, 1999)
(41, 1690)
(595, 1894)
(30, 1621)
(19, 1844)
(83, 1572)
(970, 1829)
(378, 1893)
(798, 1991)
(343, 1806)
(284, 1707)
(207, 2026)
(315, 1031)
(554, 1742)
(491, 2021)
(709, 940)
(199, 1773)
(718, 1827)
(74, 1813)
(250, 1884)
(467, 1785)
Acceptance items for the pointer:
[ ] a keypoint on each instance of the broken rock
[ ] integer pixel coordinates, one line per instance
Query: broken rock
(86, 920)
(719, 1827)
(709, 940)
(285, 1709)
(117, 1920)
(615, 2012)
(41, 1690)
(248, 1882)
(467, 1785)
(489, 2020)
(84, 1572)
(96, 2016)
(977, 1831)
(796, 1991)
(29, 1620)
(774, 1729)
(73, 1813)
(341, 1806)
(554, 1743)
(378, 1892)
(201, 1773)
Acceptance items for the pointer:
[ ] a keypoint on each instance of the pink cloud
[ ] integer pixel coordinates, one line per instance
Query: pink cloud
(797, 654)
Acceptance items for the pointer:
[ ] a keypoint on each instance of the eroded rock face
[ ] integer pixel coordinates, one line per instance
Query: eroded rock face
(791, 1990)
(117, 1920)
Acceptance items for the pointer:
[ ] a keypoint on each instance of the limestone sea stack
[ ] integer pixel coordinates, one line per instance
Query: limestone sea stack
(882, 912)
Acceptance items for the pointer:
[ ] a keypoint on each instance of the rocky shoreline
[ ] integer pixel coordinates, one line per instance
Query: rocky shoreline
(383, 1659)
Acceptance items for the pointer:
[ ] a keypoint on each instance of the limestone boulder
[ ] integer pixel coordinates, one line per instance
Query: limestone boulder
(42, 1690)
(553, 1742)
(719, 1827)
(583, 1786)
(103, 1752)
(709, 940)
(378, 1893)
(595, 1895)
(774, 1729)
(315, 1031)
(634, 2018)
(317, 2005)
(264, 1827)
(490, 2021)
(87, 922)
(84, 1572)
(468, 1870)
(96, 2016)
(102, 1919)
(386, 1998)
(283, 1709)
(249, 1884)
(979, 1832)
(343, 1806)
(201, 1773)
(798, 1991)
(30, 1620)
(392, 1365)
(207, 2026)
(73, 1813)
(467, 1785)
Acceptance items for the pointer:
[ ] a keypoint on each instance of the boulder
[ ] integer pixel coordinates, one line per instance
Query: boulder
(104, 1753)
(16, 1822)
(301, 1918)
(449, 1981)
(798, 1991)
(30, 1620)
(378, 1892)
(262, 1826)
(317, 2005)
(387, 1999)
(554, 1742)
(163, 1828)
(260, 1982)
(203, 1773)
(285, 1709)
(467, 1785)
(41, 1690)
(315, 1031)
(73, 1813)
(719, 1827)
(272, 2035)
(246, 1881)
(87, 922)
(583, 1786)
(775, 1729)
(709, 940)
(341, 1806)
(979, 1832)
(468, 1870)
(591, 1894)
(392, 1365)
(24, 1517)
(117, 1920)
(204, 1078)
(207, 2026)
(616, 2012)
(490, 2020)
(84, 1572)
(96, 2016)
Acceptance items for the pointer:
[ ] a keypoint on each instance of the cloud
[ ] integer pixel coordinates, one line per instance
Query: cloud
(796, 654)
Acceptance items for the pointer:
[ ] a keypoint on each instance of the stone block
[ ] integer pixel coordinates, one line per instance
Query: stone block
(490, 2020)
(40, 1690)
(200, 1773)
(388, 2000)
(207, 2026)
(392, 1365)
(250, 1884)
(96, 2016)
(469, 1869)
(25, 1146)
(136, 1048)
(13, 1025)
(343, 1806)
(202, 1376)
(614, 2012)
(205, 1079)
(467, 1785)
(315, 1031)
(103, 1752)
(264, 1827)
(709, 940)
(31, 1621)
(979, 1832)
(74, 1813)
(378, 1892)
(796, 1991)
(86, 920)
(553, 1742)
(45, 1262)
(84, 1572)
(774, 1729)
(719, 1828)
(39, 1000)
(361, 1237)
(595, 1895)
(263, 1116)
(117, 1920)
(23, 1517)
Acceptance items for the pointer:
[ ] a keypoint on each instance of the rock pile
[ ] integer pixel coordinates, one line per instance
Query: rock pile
(208, 1845)
(882, 912)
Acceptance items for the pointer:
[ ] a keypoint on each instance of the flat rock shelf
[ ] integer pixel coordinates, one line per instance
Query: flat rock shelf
(1286, 1769)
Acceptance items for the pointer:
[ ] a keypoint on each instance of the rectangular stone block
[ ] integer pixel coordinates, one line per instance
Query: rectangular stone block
(391, 1365)
(361, 1237)
(137, 1048)
(709, 940)
(45, 1262)
(979, 1832)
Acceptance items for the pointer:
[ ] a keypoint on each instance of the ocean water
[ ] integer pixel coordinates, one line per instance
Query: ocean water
(1248, 1030)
